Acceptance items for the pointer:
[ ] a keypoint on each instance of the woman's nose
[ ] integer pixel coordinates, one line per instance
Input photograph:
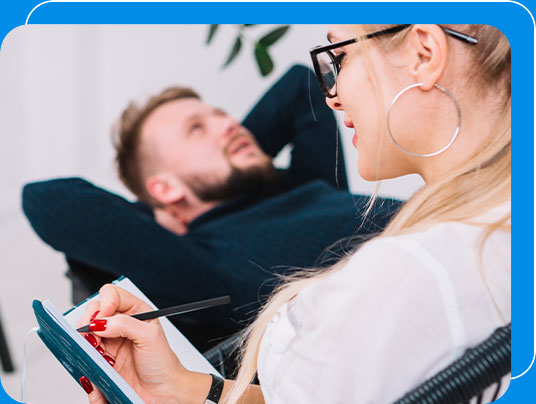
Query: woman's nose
(334, 103)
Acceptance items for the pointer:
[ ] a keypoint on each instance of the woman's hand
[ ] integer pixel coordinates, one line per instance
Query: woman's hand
(139, 351)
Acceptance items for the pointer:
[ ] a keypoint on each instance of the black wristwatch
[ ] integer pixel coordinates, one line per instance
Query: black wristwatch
(216, 388)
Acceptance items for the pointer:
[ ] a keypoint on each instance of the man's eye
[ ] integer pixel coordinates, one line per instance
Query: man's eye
(196, 127)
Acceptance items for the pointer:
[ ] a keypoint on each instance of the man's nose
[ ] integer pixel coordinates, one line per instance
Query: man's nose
(226, 126)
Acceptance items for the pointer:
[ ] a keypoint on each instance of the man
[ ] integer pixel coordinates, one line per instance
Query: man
(223, 160)
(234, 223)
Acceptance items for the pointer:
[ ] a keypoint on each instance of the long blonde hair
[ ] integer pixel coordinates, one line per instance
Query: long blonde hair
(476, 185)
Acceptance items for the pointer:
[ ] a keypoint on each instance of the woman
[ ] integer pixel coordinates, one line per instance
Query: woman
(425, 99)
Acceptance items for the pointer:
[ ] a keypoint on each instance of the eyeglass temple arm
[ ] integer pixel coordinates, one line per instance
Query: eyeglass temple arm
(458, 35)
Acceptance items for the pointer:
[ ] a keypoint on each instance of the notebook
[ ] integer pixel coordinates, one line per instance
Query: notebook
(79, 358)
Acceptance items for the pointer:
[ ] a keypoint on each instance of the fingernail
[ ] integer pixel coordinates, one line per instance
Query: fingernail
(109, 359)
(94, 316)
(86, 384)
(98, 325)
(100, 350)
(91, 339)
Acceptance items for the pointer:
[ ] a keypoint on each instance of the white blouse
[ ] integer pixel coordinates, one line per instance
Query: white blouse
(402, 309)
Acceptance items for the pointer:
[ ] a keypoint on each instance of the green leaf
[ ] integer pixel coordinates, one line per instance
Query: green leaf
(234, 52)
(212, 30)
(264, 61)
(273, 36)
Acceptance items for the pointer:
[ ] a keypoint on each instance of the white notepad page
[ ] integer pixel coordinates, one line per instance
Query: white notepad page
(189, 356)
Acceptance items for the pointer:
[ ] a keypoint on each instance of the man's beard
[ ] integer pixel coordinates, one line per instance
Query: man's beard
(241, 182)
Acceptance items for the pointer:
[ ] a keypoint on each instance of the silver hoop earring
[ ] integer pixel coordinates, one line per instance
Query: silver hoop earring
(454, 136)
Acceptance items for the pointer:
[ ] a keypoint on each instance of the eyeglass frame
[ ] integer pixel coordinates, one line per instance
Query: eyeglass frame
(314, 52)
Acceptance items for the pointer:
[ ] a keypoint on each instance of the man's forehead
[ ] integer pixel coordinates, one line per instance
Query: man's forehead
(183, 108)
(175, 114)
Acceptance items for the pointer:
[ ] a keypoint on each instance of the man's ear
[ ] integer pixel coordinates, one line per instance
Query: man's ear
(428, 47)
(165, 188)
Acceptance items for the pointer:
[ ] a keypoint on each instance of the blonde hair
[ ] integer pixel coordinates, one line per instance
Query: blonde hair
(469, 189)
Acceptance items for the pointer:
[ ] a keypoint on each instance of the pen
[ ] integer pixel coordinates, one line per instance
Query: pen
(175, 310)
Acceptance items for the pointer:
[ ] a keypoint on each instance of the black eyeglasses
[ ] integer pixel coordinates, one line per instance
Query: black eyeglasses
(327, 65)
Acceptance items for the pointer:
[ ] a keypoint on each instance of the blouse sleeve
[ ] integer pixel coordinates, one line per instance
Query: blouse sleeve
(371, 331)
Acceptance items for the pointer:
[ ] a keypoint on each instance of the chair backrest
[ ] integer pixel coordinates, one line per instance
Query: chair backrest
(223, 356)
(466, 379)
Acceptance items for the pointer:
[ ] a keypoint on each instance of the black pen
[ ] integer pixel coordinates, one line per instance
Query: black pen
(173, 311)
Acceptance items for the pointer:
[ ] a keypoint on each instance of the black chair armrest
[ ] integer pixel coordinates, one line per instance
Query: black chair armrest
(224, 356)
(466, 378)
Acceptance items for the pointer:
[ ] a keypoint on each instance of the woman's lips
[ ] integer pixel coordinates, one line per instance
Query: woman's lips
(349, 124)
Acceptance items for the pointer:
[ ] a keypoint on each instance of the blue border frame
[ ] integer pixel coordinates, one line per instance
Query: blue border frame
(510, 18)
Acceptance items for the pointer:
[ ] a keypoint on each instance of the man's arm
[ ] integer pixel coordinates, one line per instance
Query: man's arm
(105, 231)
(294, 111)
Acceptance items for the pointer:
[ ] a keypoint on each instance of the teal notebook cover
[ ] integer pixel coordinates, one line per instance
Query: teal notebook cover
(78, 357)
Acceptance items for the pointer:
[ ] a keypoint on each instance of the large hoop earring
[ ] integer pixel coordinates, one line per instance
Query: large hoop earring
(454, 136)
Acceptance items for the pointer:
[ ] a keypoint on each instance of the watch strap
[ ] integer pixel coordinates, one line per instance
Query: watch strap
(216, 388)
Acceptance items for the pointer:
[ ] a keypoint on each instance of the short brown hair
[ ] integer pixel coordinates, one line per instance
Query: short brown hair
(126, 138)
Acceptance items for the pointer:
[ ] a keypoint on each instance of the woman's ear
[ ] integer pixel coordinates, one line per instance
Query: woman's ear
(165, 188)
(428, 49)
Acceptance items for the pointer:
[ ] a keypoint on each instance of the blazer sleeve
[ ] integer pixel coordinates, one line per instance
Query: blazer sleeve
(294, 111)
(98, 228)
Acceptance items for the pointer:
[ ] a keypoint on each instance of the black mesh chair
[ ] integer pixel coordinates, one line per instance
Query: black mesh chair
(224, 356)
(5, 357)
(465, 380)
(479, 369)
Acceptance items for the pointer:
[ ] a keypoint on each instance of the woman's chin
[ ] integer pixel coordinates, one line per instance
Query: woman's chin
(368, 173)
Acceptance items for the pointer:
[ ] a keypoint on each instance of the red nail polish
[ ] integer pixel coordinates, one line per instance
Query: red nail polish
(109, 359)
(91, 339)
(100, 350)
(98, 325)
(94, 316)
(86, 384)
